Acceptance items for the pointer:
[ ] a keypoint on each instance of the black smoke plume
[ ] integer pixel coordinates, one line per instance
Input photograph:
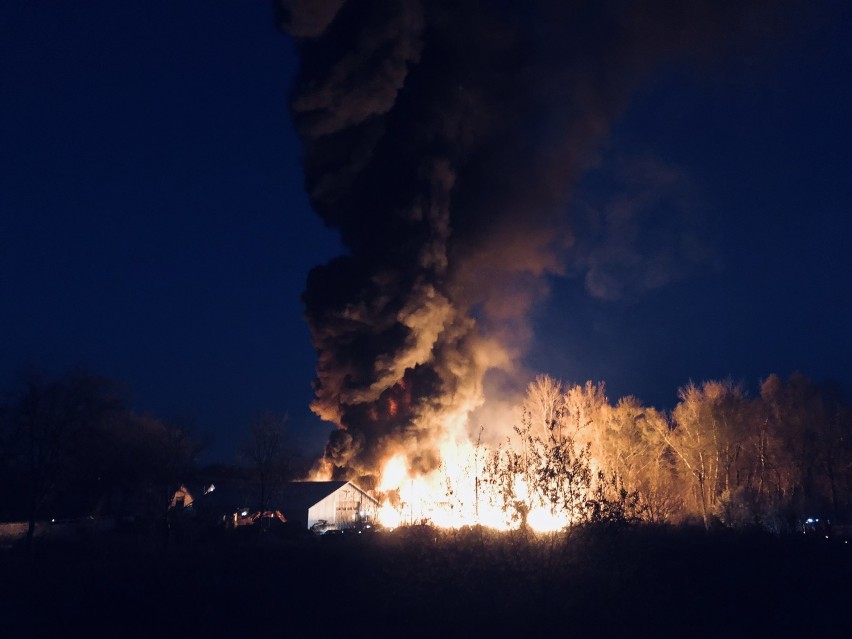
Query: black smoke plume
(442, 139)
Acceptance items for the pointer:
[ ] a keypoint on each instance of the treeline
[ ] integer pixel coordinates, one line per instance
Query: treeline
(719, 457)
(72, 447)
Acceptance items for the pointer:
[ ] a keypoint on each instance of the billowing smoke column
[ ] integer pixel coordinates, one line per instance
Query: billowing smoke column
(442, 139)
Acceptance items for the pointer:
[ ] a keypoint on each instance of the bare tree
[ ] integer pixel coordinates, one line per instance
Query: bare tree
(269, 455)
(48, 422)
(712, 429)
(807, 448)
(544, 404)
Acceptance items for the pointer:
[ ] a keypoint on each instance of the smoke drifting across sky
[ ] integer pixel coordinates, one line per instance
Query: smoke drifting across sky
(442, 139)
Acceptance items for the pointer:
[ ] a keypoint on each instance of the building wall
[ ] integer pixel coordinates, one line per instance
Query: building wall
(344, 508)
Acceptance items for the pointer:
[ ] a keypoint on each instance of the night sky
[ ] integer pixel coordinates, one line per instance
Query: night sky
(154, 226)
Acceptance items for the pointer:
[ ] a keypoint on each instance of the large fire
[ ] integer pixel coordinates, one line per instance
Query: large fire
(539, 477)
(461, 492)
(549, 462)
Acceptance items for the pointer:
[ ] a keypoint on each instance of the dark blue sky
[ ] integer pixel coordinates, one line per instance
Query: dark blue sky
(764, 148)
(154, 227)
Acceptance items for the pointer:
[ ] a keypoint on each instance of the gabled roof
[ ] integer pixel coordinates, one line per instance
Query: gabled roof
(301, 495)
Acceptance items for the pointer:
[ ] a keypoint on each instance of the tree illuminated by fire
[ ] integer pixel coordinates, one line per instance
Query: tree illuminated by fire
(575, 457)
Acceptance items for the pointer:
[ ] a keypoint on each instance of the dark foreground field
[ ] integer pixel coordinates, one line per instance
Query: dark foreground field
(419, 582)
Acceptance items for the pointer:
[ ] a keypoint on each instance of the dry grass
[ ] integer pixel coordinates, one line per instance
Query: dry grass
(419, 581)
